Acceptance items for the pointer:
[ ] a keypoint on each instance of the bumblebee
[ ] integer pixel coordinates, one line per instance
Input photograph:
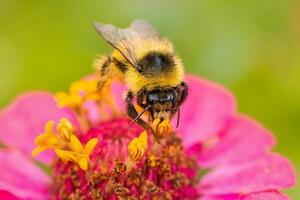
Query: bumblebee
(149, 66)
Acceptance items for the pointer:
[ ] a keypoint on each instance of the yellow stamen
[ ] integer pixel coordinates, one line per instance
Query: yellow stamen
(46, 140)
(162, 128)
(65, 129)
(65, 100)
(138, 146)
(78, 153)
(87, 90)
(91, 86)
(79, 93)
(90, 145)
(65, 144)
(78, 86)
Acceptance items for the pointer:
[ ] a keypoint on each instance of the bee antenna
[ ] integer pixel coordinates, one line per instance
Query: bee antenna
(178, 117)
(140, 114)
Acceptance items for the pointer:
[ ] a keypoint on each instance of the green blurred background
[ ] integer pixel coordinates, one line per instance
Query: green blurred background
(250, 46)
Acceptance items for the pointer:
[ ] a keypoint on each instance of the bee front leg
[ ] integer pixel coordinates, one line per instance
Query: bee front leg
(132, 113)
(184, 93)
(181, 98)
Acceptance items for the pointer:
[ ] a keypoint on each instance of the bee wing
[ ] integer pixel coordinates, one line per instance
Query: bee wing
(120, 39)
(145, 29)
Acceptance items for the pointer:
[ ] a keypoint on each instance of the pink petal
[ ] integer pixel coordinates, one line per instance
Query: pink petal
(119, 90)
(7, 196)
(243, 136)
(93, 112)
(22, 178)
(268, 195)
(206, 110)
(25, 118)
(268, 172)
(222, 197)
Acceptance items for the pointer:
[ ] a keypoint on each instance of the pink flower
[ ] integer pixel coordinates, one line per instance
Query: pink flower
(215, 154)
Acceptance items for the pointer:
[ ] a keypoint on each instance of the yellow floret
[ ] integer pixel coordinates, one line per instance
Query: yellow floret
(138, 147)
(65, 144)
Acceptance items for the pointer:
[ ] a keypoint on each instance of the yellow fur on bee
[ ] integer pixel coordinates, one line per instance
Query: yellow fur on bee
(141, 47)
(145, 46)
(113, 73)
(137, 81)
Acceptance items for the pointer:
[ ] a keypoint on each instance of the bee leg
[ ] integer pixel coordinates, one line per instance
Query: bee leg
(182, 97)
(132, 113)
(102, 66)
(104, 69)
(184, 93)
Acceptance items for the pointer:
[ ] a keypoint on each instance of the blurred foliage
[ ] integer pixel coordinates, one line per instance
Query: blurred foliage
(251, 47)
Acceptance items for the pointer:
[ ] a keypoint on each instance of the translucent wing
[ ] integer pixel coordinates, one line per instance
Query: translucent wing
(120, 39)
(144, 29)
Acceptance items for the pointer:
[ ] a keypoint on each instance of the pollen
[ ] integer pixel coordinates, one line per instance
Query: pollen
(162, 128)
(65, 143)
(138, 147)
(153, 161)
(65, 129)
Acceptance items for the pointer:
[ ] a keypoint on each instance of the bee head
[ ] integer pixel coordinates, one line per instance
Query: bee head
(162, 102)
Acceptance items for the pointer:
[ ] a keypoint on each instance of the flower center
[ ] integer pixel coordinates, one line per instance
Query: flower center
(164, 172)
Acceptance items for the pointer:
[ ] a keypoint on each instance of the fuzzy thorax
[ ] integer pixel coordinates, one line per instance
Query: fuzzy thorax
(169, 78)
